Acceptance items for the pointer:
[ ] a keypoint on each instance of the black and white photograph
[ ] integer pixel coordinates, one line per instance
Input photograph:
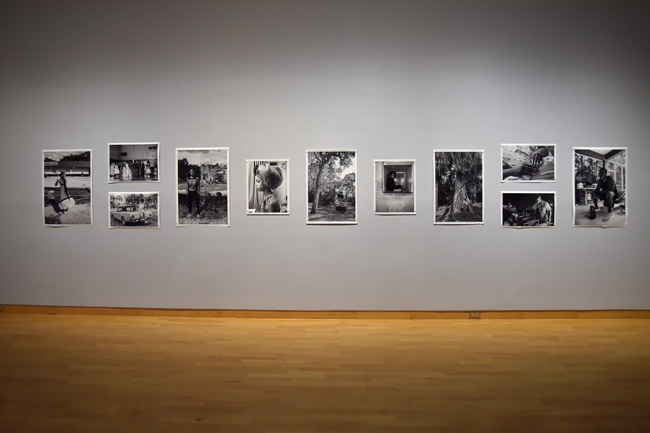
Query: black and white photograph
(202, 186)
(394, 187)
(458, 187)
(133, 162)
(267, 187)
(331, 187)
(528, 163)
(67, 188)
(527, 209)
(600, 186)
(138, 210)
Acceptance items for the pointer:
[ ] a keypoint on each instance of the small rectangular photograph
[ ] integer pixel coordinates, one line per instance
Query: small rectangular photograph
(458, 187)
(394, 187)
(133, 162)
(527, 209)
(203, 186)
(67, 188)
(331, 187)
(267, 186)
(528, 163)
(134, 210)
(600, 187)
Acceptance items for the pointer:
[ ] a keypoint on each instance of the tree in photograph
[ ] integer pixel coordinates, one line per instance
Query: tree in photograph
(459, 179)
(325, 167)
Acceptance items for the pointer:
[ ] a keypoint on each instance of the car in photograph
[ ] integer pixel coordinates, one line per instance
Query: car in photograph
(126, 215)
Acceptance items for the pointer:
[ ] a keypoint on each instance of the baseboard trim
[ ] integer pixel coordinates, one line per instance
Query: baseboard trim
(326, 314)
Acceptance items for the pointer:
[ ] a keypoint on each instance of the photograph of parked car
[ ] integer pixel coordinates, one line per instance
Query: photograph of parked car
(133, 210)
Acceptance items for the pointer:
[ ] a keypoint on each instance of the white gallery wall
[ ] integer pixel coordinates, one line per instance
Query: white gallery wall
(271, 79)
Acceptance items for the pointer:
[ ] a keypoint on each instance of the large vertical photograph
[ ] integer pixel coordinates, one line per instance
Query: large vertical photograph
(528, 163)
(133, 210)
(133, 162)
(394, 187)
(67, 187)
(267, 186)
(202, 186)
(331, 187)
(458, 187)
(600, 186)
(527, 209)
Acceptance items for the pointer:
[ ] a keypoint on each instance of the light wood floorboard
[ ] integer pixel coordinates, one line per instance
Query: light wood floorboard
(74, 373)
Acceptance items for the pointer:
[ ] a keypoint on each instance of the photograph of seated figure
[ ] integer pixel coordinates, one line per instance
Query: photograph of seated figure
(600, 181)
(528, 209)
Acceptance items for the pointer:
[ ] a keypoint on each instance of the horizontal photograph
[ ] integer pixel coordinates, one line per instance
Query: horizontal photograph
(394, 187)
(202, 186)
(331, 187)
(528, 163)
(138, 210)
(133, 162)
(458, 187)
(527, 209)
(600, 187)
(67, 188)
(267, 186)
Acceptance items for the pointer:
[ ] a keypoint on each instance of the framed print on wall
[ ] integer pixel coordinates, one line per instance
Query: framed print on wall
(458, 187)
(331, 187)
(67, 183)
(600, 186)
(528, 209)
(267, 187)
(528, 163)
(394, 182)
(133, 162)
(203, 186)
(134, 210)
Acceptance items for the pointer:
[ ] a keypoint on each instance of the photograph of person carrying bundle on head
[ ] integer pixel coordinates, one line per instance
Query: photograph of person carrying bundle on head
(600, 186)
(67, 185)
(202, 187)
(267, 184)
(527, 163)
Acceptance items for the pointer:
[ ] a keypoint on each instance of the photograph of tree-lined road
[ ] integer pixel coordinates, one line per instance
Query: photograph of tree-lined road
(332, 190)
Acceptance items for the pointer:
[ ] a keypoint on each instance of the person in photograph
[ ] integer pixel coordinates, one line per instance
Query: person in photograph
(193, 193)
(605, 191)
(543, 210)
(127, 174)
(390, 182)
(267, 180)
(65, 199)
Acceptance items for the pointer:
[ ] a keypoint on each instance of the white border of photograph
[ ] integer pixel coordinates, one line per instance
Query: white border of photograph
(435, 197)
(228, 190)
(125, 226)
(530, 181)
(356, 188)
(286, 182)
(374, 184)
(111, 179)
(43, 178)
(554, 204)
(574, 186)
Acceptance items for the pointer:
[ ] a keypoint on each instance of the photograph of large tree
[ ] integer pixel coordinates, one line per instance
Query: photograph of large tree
(332, 187)
(458, 187)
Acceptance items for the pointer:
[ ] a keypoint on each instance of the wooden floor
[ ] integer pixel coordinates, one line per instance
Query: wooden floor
(146, 374)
